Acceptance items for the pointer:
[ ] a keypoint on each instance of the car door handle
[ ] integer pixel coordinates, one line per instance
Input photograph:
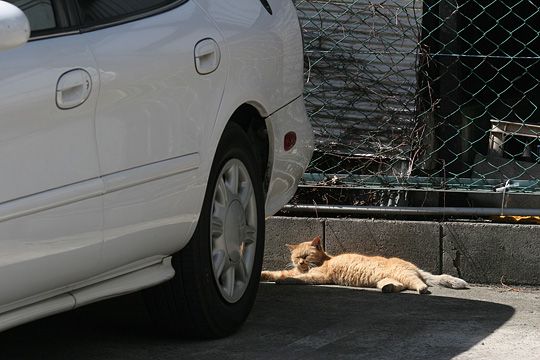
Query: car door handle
(73, 88)
(207, 56)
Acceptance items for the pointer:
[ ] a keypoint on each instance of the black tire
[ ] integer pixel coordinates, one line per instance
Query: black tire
(192, 304)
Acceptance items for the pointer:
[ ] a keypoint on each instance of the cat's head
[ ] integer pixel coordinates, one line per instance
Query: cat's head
(308, 254)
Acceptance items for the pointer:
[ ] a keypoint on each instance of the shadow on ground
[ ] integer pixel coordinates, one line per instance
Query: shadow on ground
(288, 322)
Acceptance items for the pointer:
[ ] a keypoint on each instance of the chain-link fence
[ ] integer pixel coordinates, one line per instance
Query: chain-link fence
(434, 95)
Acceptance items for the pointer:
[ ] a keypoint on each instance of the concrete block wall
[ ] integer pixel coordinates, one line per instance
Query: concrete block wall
(492, 253)
(478, 252)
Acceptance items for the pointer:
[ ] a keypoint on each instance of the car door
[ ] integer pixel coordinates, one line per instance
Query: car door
(163, 68)
(50, 204)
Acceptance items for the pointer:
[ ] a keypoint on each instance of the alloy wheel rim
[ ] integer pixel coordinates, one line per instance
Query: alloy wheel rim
(233, 230)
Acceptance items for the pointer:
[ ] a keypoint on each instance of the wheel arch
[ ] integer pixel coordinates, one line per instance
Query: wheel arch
(249, 117)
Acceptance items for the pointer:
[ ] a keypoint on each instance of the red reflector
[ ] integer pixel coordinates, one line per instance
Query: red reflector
(289, 141)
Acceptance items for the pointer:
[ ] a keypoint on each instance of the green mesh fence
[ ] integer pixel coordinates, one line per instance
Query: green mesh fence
(434, 95)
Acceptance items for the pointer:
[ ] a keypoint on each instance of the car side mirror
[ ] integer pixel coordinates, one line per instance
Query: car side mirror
(14, 26)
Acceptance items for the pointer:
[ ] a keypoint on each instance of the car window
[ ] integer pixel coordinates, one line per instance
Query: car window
(40, 13)
(96, 12)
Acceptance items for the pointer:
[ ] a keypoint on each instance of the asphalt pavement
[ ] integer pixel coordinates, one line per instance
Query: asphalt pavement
(305, 322)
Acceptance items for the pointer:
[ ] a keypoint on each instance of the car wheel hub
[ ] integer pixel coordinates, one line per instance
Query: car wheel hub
(233, 230)
(235, 227)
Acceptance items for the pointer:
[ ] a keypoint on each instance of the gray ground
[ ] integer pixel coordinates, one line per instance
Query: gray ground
(304, 322)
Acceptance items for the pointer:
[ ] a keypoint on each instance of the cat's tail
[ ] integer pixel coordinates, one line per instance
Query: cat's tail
(443, 280)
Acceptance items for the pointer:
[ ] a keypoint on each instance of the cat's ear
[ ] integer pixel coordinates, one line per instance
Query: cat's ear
(316, 242)
(291, 247)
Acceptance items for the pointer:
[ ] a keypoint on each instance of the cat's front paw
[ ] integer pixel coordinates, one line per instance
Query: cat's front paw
(266, 276)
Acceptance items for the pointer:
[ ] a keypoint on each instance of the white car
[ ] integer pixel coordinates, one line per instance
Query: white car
(143, 143)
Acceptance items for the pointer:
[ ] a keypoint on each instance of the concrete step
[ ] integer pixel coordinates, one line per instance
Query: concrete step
(484, 253)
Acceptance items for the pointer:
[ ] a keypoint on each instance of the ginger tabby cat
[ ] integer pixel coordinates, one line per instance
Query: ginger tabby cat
(313, 266)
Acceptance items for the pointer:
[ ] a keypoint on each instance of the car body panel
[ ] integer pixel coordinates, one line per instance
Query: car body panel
(153, 105)
(267, 77)
(42, 146)
(153, 110)
(266, 67)
(45, 155)
(154, 215)
(49, 249)
(288, 165)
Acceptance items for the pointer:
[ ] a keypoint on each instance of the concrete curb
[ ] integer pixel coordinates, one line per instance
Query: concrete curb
(478, 252)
